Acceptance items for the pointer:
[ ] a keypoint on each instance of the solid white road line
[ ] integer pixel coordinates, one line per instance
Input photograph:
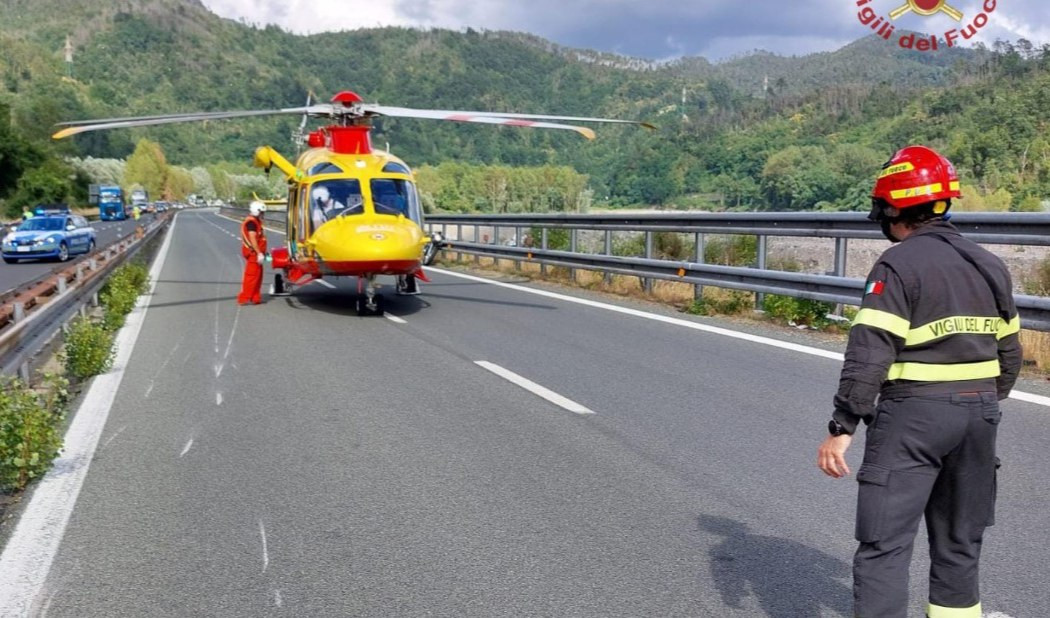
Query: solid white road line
(394, 318)
(536, 389)
(186, 448)
(651, 316)
(804, 349)
(27, 558)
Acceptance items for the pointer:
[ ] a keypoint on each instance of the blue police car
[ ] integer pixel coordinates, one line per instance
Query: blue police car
(54, 235)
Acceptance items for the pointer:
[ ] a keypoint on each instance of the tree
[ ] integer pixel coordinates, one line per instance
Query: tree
(48, 183)
(16, 154)
(147, 168)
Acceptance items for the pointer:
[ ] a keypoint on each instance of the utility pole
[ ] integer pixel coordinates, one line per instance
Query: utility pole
(69, 57)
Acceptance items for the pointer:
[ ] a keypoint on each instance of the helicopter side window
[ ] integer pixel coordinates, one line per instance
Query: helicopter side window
(395, 168)
(335, 198)
(393, 196)
(325, 168)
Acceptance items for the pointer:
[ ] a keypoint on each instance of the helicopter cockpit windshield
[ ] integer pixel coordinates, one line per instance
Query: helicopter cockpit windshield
(333, 198)
(394, 196)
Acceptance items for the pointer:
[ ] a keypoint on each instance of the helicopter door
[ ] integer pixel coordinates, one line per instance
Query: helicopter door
(302, 209)
(291, 222)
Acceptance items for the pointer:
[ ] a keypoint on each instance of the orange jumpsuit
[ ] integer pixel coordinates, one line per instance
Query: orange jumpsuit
(253, 270)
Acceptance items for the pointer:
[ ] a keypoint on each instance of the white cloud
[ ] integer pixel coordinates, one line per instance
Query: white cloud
(650, 29)
(311, 16)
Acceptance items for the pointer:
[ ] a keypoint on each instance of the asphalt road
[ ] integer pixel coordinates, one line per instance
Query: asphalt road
(296, 459)
(14, 275)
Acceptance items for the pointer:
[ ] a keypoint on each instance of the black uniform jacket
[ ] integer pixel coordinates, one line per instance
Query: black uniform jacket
(938, 316)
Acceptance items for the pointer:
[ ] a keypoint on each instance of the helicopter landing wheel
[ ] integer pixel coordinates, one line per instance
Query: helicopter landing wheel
(370, 306)
(377, 306)
(407, 285)
(279, 287)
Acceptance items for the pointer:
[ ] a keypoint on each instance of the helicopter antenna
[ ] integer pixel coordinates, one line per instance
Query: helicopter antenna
(299, 135)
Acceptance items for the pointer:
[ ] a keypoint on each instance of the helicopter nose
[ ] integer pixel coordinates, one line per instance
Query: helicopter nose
(351, 240)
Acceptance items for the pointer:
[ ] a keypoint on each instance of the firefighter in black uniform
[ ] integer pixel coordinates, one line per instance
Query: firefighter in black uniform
(936, 339)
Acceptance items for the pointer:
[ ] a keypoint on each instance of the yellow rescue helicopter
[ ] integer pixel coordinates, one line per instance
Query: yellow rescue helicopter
(352, 210)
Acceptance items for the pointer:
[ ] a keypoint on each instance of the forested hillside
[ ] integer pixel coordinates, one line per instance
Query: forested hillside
(759, 131)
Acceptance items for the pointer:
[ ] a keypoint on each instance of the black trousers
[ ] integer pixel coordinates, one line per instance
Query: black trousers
(932, 456)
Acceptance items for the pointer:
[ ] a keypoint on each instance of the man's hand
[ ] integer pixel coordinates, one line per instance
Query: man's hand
(260, 257)
(831, 455)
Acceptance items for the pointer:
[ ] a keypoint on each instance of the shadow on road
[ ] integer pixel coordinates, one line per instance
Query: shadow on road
(786, 578)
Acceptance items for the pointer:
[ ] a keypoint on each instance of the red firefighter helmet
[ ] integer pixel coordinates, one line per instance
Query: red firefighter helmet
(916, 175)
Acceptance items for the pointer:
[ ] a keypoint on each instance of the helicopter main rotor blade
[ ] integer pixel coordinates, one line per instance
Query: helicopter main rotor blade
(84, 126)
(516, 122)
(468, 116)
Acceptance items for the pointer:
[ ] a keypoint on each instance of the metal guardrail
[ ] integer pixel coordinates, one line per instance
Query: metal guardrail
(991, 228)
(31, 315)
(1034, 310)
(994, 228)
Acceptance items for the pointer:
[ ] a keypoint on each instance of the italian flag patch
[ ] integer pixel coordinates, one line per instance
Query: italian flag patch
(874, 287)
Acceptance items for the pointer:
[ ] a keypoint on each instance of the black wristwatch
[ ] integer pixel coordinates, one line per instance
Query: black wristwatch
(835, 428)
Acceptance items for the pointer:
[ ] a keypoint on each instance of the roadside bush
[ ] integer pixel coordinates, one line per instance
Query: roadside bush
(735, 250)
(722, 302)
(557, 238)
(666, 246)
(29, 436)
(1038, 281)
(88, 349)
(797, 310)
(121, 292)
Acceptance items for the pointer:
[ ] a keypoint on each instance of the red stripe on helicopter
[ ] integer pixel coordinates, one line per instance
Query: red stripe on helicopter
(460, 118)
(520, 123)
(378, 267)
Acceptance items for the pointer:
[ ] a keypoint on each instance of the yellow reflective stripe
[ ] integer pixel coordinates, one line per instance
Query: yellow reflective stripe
(916, 191)
(936, 611)
(955, 325)
(929, 372)
(897, 169)
(1009, 328)
(953, 185)
(884, 320)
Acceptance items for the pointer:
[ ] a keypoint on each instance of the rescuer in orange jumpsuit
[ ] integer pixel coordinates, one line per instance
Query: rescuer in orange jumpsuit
(253, 249)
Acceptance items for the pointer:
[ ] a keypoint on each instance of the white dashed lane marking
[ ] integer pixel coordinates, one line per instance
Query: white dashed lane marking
(536, 389)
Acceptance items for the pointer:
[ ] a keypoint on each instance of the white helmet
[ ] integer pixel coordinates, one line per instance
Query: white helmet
(256, 208)
(321, 194)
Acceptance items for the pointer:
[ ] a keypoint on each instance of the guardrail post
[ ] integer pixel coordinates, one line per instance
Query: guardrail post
(477, 236)
(80, 272)
(496, 242)
(62, 284)
(647, 284)
(93, 264)
(698, 242)
(608, 251)
(23, 372)
(20, 312)
(840, 265)
(572, 248)
(518, 242)
(543, 245)
(763, 246)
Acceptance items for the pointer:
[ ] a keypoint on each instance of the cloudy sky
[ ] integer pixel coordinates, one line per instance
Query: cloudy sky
(653, 29)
